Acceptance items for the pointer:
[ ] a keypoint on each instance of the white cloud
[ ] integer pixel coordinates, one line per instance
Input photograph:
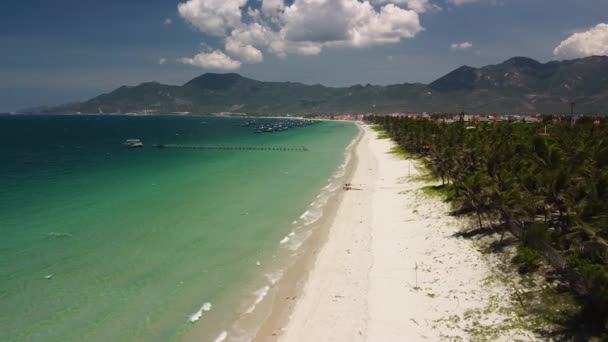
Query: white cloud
(272, 7)
(245, 52)
(583, 44)
(462, 2)
(419, 6)
(214, 17)
(461, 46)
(162, 61)
(168, 21)
(216, 60)
(304, 27)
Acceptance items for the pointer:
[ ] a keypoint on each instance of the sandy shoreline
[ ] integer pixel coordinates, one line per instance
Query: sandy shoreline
(389, 268)
(286, 292)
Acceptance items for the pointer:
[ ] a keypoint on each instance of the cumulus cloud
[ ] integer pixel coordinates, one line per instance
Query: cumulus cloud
(168, 21)
(420, 6)
(245, 52)
(272, 7)
(461, 46)
(214, 17)
(216, 60)
(462, 2)
(162, 61)
(304, 27)
(583, 44)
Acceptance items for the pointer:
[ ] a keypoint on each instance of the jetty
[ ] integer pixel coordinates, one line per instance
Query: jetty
(235, 147)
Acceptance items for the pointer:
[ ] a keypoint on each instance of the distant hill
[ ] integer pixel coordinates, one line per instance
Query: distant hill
(518, 85)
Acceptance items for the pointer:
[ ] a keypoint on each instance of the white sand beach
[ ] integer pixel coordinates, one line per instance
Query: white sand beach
(391, 269)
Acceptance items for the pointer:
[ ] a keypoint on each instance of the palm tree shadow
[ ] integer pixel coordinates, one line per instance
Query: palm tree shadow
(477, 232)
(574, 328)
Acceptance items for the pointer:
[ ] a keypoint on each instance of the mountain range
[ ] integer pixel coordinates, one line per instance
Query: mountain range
(518, 85)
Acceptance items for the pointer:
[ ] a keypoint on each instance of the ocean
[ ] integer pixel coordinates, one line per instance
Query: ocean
(104, 243)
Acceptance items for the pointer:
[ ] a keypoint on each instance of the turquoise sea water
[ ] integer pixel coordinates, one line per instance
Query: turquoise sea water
(103, 243)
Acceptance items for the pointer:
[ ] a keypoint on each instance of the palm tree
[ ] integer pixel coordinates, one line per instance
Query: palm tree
(509, 173)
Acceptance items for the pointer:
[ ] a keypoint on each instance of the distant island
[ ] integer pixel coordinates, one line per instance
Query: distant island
(519, 85)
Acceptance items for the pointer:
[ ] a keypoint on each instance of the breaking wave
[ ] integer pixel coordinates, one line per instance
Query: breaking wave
(195, 317)
(221, 337)
(260, 295)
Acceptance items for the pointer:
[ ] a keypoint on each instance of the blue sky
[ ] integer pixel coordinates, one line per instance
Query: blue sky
(69, 50)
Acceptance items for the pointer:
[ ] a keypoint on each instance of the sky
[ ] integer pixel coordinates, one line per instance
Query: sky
(61, 51)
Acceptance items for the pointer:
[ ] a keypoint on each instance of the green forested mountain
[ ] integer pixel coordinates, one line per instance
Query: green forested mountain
(518, 85)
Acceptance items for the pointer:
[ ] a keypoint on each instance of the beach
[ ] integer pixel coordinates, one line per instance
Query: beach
(390, 267)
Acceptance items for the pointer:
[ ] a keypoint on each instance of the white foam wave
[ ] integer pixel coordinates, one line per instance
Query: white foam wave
(260, 294)
(315, 211)
(322, 201)
(274, 277)
(295, 246)
(285, 240)
(342, 168)
(352, 143)
(197, 315)
(347, 158)
(312, 215)
(222, 337)
(298, 241)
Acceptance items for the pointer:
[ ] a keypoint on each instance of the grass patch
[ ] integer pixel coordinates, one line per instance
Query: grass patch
(525, 311)
(401, 153)
(427, 178)
(382, 134)
(377, 128)
(436, 191)
(528, 259)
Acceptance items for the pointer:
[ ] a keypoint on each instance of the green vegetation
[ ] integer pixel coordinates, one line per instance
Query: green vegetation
(489, 89)
(529, 259)
(377, 128)
(426, 177)
(438, 191)
(546, 191)
(381, 132)
(401, 153)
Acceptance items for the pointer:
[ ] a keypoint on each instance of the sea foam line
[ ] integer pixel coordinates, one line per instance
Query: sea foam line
(221, 337)
(274, 277)
(260, 294)
(197, 315)
(315, 211)
(313, 214)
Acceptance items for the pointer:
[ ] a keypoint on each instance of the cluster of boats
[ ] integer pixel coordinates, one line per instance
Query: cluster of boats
(259, 126)
(268, 126)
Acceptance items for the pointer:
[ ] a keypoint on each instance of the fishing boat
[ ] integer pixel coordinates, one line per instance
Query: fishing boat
(133, 143)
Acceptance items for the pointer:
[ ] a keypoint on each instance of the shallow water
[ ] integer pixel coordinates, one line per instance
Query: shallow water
(105, 243)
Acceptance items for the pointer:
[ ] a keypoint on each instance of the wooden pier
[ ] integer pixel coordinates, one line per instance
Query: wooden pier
(234, 147)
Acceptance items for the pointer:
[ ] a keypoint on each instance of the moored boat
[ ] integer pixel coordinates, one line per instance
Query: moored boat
(133, 143)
